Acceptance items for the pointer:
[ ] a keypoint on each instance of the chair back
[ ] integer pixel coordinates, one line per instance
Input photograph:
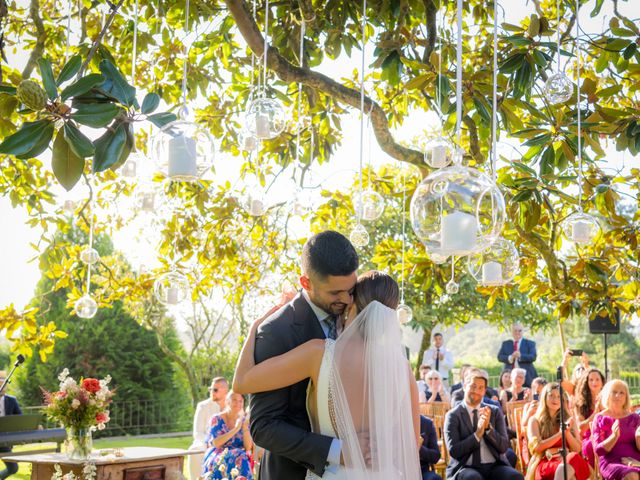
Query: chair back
(434, 409)
(511, 407)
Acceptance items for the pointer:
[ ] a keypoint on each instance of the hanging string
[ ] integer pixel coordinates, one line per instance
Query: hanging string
(135, 43)
(494, 113)
(459, 76)
(186, 56)
(303, 27)
(578, 106)
(439, 82)
(87, 289)
(404, 200)
(364, 33)
(266, 43)
(558, 36)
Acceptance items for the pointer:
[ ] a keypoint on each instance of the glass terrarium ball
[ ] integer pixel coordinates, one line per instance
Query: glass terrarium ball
(86, 307)
(369, 205)
(359, 236)
(497, 265)
(171, 288)
(457, 211)
(130, 168)
(405, 314)
(89, 256)
(438, 152)
(182, 150)
(452, 287)
(255, 203)
(265, 118)
(580, 228)
(437, 258)
(558, 89)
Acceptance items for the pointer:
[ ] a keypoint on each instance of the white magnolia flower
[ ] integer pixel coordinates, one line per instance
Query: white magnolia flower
(75, 403)
(63, 374)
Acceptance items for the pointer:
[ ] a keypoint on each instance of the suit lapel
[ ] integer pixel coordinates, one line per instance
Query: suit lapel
(305, 323)
(465, 418)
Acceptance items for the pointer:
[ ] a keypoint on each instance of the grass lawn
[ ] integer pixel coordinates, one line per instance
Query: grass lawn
(24, 473)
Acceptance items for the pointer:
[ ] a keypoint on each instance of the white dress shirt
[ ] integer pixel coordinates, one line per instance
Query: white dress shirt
(445, 364)
(510, 357)
(485, 454)
(2, 399)
(201, 426)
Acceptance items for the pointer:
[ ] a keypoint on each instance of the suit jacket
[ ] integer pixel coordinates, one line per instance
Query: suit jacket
(429, 450)
(527, 357)
(461, 441)
(279, 421)
(11, 407)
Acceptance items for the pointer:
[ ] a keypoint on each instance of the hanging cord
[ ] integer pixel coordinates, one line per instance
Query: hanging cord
(558, 36)
(186, 56)
(494, 113)
(578, 106)
(453, 268)
(404, 199)
(266, 44)
(459, 77)
(364, 33)
(135, 43)
(303, 27)
(439, 82)
(87, 289)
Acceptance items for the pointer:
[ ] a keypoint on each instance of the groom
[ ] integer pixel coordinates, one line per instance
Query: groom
(279, 421)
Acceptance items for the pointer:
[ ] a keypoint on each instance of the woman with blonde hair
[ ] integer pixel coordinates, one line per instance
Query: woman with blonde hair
(616, 434)
(545, 440)
(435, 389)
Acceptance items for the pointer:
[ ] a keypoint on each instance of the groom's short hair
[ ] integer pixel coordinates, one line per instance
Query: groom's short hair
(329, 253)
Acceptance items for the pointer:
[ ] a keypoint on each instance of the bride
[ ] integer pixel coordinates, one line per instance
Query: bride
(361, 390)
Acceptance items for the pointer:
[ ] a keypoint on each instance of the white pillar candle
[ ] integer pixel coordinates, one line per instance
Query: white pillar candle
(439, 156)
(69, 206)
(183, 157)
(492, 273)
(129, 168)
(458, 235)
(173, 295)
(403, 315)
(148, 202)
(262, 126)
(369, 211)
(257, 207)
(250, 142)
(581, 231)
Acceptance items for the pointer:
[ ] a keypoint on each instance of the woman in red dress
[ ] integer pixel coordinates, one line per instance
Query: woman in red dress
(545, 440)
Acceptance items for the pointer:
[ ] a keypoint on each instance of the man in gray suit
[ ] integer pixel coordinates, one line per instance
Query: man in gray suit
(279, 421)
(476, 436)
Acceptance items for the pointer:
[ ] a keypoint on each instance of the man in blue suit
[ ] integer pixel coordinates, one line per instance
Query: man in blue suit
(519, 353)
(8, 406)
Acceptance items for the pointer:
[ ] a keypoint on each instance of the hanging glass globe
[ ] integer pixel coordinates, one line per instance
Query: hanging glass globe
(255, 203)
(247, 141)
(495, 266)
(69, 206)
(405, 314)
(580, 228)
(457, 211)
(359, 236)
(182, 150)
(265, 118)
(452, 287)
(437, 258)
(558, 89)
(86, 307)
(148, 200)
(369, 205)
(89, 256)
(299, 207)
(438, 152)
(171, 288)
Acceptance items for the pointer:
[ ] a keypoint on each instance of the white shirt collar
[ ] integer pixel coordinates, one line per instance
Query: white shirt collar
(320, 313)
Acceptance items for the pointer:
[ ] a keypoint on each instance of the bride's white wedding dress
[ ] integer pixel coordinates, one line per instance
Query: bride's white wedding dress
(363, 385)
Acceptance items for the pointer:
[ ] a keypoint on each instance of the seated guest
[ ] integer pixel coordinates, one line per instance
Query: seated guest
(517, 391)
(505, 381)
(422, 383)
(570, 384)
(616, 434)
(435, 391)
(8, 406)
(201, 422)
(586, 404)
(489, 399)
(458, 386)
(536, 387)
(529, 410)
(229, 441)
(476, 436)
(545, 440)
(429, 450)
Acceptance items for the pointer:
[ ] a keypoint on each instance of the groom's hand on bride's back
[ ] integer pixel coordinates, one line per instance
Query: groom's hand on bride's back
(364, 440)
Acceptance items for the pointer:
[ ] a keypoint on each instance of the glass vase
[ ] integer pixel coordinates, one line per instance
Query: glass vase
(79, 443)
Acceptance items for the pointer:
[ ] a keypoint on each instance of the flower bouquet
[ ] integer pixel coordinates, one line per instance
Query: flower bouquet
(81, 408)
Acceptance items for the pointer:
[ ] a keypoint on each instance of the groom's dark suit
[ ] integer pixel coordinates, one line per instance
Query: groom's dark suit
(279, 421)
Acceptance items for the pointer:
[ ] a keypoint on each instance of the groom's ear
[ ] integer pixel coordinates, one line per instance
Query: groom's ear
(305, 282)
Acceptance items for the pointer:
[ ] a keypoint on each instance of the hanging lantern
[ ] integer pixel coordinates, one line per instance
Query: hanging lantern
(495, 266)
(86, 307)
(255, 203)
(452, 287)
(130, 168)
(405, 314)
(247, 141)
(457, 210)
(359, 236)
(89, 256)
(580, 228)
(558, 89)
(171, 288)
(265, 118)
(183, 151)
(369, 205)
(438, 152)
(300, 204)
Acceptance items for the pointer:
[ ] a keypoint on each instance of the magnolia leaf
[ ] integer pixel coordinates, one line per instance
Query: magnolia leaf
(66, 164)
(116, 85)
(109, 148)
(69, 70)
(162, 118)
(24, 139)
(95, 115)
(82, 86)
(78, 141)
(150, 103)
(47, 78)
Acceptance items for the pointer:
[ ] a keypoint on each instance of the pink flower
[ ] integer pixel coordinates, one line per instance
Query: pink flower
(102, 417)
(91, 385)
(61, 395)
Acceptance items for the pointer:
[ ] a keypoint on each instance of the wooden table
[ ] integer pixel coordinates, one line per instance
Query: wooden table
(137, 463)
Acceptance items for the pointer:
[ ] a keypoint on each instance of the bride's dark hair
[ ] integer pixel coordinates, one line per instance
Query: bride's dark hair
(375, 285)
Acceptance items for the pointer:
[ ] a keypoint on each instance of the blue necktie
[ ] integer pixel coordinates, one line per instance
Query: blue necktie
(331, 322)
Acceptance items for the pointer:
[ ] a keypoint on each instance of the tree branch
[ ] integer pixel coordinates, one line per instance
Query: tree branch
(94, 47)
(432, 29)
(41, 36)
(288, 72)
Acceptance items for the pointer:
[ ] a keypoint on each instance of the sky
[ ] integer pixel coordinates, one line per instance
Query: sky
(20, 275)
